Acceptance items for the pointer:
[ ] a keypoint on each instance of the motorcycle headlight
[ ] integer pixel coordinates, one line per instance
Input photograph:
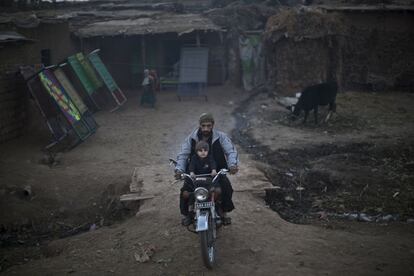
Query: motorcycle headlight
(201, 194)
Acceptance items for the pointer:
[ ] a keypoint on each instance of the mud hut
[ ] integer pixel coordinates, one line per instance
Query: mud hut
(377, 50)
(361, 47)
(301, 48)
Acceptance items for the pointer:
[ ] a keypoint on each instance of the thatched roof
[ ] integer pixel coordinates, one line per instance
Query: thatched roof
(298, 24)
(369, 8)
(164, 23)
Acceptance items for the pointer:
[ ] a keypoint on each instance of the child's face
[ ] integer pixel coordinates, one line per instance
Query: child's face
(202, 153)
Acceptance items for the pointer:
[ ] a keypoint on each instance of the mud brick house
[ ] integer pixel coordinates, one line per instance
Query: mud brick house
(26, 39)
(362, 47)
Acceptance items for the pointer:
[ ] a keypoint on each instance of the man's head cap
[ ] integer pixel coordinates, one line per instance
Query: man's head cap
(206, 118)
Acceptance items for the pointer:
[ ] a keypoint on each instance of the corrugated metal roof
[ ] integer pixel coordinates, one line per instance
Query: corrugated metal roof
(165, 23)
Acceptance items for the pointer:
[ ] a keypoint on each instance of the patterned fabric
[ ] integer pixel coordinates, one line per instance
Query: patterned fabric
(56, 91)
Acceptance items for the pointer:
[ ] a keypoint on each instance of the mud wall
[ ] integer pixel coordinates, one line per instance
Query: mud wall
(374, 51)
(13, 105)
(238, 19)
(56, 37)
(13, 97)
(377, 52)
(233, 68)
(14, 115)
(294, 65)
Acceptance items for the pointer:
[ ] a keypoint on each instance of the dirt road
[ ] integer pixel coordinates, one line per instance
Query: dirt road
(258, 242)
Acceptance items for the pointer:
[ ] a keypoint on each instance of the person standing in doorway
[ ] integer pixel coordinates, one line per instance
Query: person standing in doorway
(148, 85)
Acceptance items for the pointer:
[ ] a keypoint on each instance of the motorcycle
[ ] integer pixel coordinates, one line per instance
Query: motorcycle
(206, 219)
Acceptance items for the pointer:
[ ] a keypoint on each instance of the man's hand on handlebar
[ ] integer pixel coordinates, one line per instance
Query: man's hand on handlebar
(177, 174)
(234, 169)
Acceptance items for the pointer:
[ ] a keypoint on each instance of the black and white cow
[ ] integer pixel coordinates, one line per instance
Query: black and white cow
(314, 96)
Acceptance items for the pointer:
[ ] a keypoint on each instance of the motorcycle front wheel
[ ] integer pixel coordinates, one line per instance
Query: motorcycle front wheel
(208, 249)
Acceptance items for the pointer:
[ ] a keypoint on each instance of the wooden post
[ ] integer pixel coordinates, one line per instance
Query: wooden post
(198, 39)
(81, 44)
(143, 52)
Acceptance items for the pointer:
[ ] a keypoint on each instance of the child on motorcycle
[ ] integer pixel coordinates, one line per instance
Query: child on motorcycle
(200, 163)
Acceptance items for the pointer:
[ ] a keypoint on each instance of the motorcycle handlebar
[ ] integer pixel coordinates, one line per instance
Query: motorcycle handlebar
(222, 171)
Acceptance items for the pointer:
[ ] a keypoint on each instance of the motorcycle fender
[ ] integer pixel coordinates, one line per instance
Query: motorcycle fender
(202, 222)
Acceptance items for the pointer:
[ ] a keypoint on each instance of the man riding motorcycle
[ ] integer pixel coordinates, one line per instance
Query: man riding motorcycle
(225, 156)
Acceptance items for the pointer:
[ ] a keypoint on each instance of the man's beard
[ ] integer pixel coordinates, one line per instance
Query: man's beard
(206, 133)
